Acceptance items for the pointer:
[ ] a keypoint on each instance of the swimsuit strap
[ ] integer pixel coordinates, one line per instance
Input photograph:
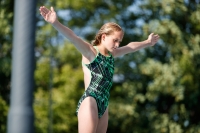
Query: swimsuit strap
(109, 53)
(100, 53)
(96, 49)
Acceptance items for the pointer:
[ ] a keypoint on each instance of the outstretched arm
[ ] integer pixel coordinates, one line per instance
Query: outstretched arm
(135, 46)
(83, 47)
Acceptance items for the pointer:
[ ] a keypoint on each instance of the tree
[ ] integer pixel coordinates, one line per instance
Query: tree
(5, 47)
(6, 16)
(162, 82)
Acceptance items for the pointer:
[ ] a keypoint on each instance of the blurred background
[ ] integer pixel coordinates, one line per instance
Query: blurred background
(155, 90)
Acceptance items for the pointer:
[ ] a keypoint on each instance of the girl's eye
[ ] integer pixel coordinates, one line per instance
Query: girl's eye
(115, 40)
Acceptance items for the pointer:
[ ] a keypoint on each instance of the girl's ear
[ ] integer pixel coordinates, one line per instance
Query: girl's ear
(103, 36)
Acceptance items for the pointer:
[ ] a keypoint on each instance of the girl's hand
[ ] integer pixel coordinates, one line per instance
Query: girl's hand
(49, 15)
(153, 39)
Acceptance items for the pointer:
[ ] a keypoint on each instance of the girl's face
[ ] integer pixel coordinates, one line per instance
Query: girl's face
(112, 42)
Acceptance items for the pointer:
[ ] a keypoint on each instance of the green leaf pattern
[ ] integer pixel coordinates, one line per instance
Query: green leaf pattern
(102, 69)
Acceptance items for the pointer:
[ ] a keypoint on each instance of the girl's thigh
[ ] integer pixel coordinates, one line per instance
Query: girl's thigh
(103, 123)
(88, 116)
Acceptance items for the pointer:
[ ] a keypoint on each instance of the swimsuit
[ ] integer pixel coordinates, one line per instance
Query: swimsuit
(101, 69)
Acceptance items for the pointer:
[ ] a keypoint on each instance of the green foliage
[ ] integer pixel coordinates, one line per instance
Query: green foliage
(41, 111)
(3, 117)
(67, 88)
(6, 17)
(65, 97)
(169, 94)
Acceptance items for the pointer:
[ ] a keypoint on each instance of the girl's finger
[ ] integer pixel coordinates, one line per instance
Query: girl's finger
(43, 14)
(44, 9)
(151, 34)
(52, 9)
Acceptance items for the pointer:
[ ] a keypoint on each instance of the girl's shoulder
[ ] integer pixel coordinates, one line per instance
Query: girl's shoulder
(93, 54)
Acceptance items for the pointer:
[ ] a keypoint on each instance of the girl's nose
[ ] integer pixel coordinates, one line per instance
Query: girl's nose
(116, 45)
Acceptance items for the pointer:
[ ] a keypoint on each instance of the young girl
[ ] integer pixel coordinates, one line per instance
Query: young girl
(98, 68)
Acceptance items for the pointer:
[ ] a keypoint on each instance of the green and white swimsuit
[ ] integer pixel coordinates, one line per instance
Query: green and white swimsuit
(101, 69)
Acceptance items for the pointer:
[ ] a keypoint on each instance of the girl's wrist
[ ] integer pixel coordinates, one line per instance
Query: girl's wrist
(55, 22)
(148, 42)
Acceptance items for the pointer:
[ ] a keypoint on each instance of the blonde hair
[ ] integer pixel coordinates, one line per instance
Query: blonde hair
(107, 29)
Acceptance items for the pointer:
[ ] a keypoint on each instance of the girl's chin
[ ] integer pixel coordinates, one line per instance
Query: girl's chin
(112, 49)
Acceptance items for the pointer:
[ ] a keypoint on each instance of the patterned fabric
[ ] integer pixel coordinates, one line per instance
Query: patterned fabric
(101, 69)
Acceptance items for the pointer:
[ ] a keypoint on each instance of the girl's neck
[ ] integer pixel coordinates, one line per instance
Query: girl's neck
(103, 50)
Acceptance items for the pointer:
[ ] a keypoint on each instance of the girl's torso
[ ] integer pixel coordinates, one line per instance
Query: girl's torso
(100, 66)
